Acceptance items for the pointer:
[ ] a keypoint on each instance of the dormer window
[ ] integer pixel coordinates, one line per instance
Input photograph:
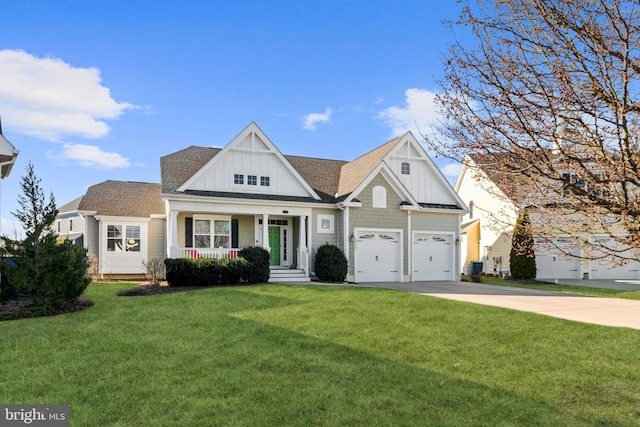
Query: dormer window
(405, 168)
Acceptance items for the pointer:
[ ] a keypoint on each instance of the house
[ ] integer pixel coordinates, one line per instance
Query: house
(487, 229)
(122, 225)
(391, 211)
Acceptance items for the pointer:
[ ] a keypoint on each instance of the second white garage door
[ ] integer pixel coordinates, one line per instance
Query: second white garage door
(378, 256)
(552, 261)
(432, 257)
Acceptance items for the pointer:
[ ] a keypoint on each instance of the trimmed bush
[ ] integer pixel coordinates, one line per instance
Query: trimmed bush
(204, 271)
(258, 259)
(330, 263)
(522, 261)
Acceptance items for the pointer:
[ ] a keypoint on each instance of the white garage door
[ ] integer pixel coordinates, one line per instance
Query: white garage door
(612, 268)
(432, 257)
(552, 261)
(378, 256)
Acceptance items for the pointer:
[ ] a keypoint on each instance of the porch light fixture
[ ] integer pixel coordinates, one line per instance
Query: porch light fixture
(285, 212)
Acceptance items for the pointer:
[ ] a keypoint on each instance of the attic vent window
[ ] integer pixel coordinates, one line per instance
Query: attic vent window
(379, 197)
(405, 168)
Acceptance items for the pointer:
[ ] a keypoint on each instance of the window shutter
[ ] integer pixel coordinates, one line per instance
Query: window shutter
(188, 232)
(234, 233)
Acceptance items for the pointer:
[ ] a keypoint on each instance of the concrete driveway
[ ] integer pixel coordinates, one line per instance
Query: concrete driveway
(587, 309)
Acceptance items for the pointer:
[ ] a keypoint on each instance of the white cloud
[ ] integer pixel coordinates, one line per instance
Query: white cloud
(310, 121)
(49, 99)
(416, 115)
(90, 156)
(451, 170)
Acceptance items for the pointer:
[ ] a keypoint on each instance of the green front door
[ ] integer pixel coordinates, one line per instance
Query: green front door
(274, 244)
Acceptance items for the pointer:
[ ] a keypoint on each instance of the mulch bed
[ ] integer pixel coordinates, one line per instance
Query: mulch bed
(23, 309)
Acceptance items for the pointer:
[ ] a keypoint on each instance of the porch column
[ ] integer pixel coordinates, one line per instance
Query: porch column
(265, 232)
(173, 234)
(303, 253)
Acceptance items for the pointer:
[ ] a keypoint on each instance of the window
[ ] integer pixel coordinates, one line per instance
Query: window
(405, 168)
(70, 225)
(132, 238)
(252, 180)
(58, 226)
(201, 233)
(211, 233)
(325, 224)
(264, 181)
(238, 179)
(379, 197)
(471, 206)
(117, 241)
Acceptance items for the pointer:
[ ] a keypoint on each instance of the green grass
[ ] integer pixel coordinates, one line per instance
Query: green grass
(572, 289)
(318, 355)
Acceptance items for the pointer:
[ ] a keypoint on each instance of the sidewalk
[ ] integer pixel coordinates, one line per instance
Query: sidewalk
(587, 309)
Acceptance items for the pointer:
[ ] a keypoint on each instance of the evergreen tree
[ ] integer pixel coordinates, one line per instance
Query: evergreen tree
(39, 268)
(523, 260)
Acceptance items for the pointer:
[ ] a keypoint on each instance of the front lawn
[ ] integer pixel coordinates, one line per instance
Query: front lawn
(318, 355)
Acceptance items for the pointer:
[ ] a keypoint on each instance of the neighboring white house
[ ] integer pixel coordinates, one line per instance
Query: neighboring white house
(488, 228)
(391, 211)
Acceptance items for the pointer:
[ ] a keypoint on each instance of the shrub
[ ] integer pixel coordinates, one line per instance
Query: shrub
(330, 263)
(258, 260)
(522, 261)
(47, 273)
(155, 270)
(50, 274)
(204, 271)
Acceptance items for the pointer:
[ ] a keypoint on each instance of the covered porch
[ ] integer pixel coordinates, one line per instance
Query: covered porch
(211, 232)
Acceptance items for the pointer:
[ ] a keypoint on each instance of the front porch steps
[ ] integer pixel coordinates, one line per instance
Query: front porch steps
(287, 275)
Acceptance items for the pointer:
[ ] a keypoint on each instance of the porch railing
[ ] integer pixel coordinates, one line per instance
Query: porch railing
(218, 253)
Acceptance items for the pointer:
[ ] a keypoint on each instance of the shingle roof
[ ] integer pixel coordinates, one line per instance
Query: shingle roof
(71, 206)
(176, 168)
(123, 198)
(353, 173)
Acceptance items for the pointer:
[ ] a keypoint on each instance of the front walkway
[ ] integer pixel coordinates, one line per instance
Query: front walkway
(587, 309)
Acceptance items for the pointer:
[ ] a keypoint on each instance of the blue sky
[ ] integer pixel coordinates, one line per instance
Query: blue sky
(97, 90)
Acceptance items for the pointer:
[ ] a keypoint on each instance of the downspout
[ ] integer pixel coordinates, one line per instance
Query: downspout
(345, 234)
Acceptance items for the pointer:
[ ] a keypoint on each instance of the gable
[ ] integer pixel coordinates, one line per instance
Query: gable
(419, 175)
(250, 164)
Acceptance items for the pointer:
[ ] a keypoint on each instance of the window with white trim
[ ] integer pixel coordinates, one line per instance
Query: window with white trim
(405, 168)
(252, 180)
(325, 224)
(70, 225)
(238, 179)
(211, 232)
(265, 181)
(123, 238)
